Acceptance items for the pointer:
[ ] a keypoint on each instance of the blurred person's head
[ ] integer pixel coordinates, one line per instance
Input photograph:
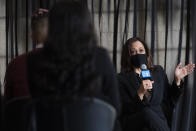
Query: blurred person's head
(39, 26)
(68, 64)
(132, 47)
(70, 26)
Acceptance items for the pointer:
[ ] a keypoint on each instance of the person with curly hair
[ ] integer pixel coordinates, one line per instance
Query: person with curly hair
(70, 64)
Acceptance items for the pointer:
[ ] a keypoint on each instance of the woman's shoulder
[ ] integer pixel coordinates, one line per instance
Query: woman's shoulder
(122, 74)
(122, 77)
(158, 69)
(129, 76)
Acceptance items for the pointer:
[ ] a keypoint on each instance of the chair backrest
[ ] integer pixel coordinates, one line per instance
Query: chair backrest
(86, 114)
(17, 114)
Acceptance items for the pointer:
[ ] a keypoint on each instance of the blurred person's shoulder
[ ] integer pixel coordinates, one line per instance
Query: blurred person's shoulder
(102, 55)
(100, 50)
(20, 60)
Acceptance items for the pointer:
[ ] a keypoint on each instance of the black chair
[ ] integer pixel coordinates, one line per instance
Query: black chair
(58, 114)
(17, 115)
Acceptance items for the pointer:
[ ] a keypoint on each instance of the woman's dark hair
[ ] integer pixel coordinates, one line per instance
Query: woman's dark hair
(67, 66)
(126, 64)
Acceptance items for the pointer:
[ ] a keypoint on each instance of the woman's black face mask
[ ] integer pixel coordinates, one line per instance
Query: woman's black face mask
(138, 60)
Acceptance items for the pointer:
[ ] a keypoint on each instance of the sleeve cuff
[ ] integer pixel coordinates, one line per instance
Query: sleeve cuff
(178, 88)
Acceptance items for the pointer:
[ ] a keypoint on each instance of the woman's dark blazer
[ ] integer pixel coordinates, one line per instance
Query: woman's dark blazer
(163, 100)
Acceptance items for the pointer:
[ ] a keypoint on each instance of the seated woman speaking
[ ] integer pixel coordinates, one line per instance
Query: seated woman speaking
(143, 100)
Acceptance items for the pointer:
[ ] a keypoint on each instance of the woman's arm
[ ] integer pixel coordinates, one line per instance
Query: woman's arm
(171, 95)
(130, 99)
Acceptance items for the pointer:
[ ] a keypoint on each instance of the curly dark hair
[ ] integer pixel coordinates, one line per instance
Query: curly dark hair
(126, 64)
(66, 64)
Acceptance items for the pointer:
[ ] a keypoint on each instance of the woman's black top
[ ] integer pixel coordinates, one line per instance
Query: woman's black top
(163, 96)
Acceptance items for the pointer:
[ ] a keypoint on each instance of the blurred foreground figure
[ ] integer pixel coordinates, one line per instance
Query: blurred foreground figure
(70, 65)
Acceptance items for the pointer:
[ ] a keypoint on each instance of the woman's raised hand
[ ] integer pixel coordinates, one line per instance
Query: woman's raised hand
(181, 72)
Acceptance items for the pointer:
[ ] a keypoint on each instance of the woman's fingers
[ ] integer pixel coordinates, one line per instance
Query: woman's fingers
(179, 65)
(190, 67)
(147, 84)
(181, 72)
